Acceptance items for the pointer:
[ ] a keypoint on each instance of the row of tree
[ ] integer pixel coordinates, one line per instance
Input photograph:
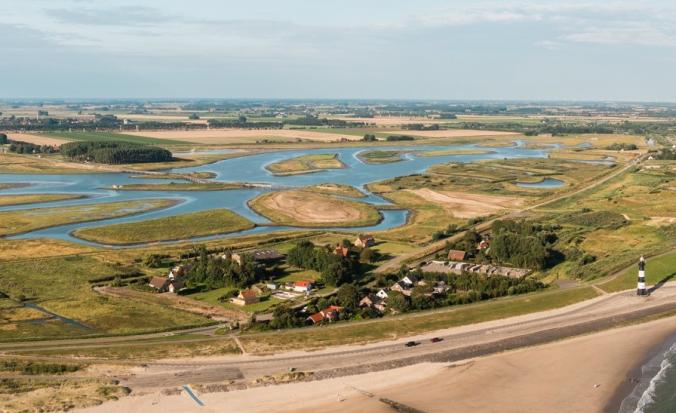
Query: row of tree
(114, 152)
(27, 147)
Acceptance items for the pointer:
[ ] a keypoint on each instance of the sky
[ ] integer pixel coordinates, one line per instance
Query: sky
(352, 49)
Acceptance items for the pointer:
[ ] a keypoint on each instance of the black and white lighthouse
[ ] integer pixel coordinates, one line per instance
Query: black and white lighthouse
(640, 289)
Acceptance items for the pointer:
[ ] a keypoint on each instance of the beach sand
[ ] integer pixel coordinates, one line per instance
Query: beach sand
(575, 375)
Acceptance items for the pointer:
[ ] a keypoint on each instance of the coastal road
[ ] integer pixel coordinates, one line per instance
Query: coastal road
(458, 343)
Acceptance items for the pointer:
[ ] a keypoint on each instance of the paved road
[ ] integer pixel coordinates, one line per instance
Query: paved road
(458, 343)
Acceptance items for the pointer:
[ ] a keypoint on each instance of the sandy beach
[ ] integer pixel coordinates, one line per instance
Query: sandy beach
(575, 375)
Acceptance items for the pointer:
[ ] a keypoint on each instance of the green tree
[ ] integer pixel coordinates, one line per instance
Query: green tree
(348, 296)
(397, 301)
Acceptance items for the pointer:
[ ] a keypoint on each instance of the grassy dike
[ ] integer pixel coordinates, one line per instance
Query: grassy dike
(26, 220)
(414, 323)
(195, 224)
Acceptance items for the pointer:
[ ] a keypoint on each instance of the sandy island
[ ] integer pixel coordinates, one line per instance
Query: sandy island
(574, 375)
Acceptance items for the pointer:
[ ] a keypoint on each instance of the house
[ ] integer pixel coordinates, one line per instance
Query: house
(178, 271)
(373, 301)
(166, 284)
(246, 297)
(456, 255)
(262, 257)
(382, 293)
(402, 287)
(303, 286)
(329, 313)
(342, 251)
(483, 245)
(364, 241)
(410, 280)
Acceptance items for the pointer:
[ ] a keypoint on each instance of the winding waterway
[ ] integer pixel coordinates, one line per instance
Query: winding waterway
(243, 169)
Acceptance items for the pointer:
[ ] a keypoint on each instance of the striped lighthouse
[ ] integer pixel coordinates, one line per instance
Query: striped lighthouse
(640, 289)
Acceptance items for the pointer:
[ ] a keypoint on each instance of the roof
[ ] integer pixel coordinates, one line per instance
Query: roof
(456, 255)
(365, 237)
(303, 283)
(158, 282)
(332, 308)
(316, 317)
(263, 255)
(248, 293)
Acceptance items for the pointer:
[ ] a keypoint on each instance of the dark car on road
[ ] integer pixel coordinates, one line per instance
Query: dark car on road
(436, 339)
(411, 344)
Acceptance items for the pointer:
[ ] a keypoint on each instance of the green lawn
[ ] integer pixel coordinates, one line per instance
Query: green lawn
(110, 136)
(658, 269)
(195, 224)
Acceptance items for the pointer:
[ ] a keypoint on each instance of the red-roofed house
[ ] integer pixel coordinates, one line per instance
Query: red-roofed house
(246, 297)
(303, 286)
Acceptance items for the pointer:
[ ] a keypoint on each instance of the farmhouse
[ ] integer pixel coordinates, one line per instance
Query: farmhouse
(303, 286)
(246, 297)
(166, 284)
(364, 241)
(456, 255)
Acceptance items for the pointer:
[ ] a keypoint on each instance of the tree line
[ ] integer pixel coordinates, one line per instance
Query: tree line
(114, 152)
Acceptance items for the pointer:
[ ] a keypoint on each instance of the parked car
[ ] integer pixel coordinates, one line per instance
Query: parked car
(411, 344)
(436, 339)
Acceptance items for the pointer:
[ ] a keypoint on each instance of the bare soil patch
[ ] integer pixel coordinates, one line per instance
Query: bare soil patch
(36, 139)
(466, 205)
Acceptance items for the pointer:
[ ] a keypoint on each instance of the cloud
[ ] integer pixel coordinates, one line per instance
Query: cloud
(636, 34)
(118, 16)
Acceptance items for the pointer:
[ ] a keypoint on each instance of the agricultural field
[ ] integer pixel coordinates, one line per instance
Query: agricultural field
(311, 209)
(196, 224)
(245, 136)
(20, 249)
(110, 136)
(21, 199)
(306, 164)
(25, 220)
